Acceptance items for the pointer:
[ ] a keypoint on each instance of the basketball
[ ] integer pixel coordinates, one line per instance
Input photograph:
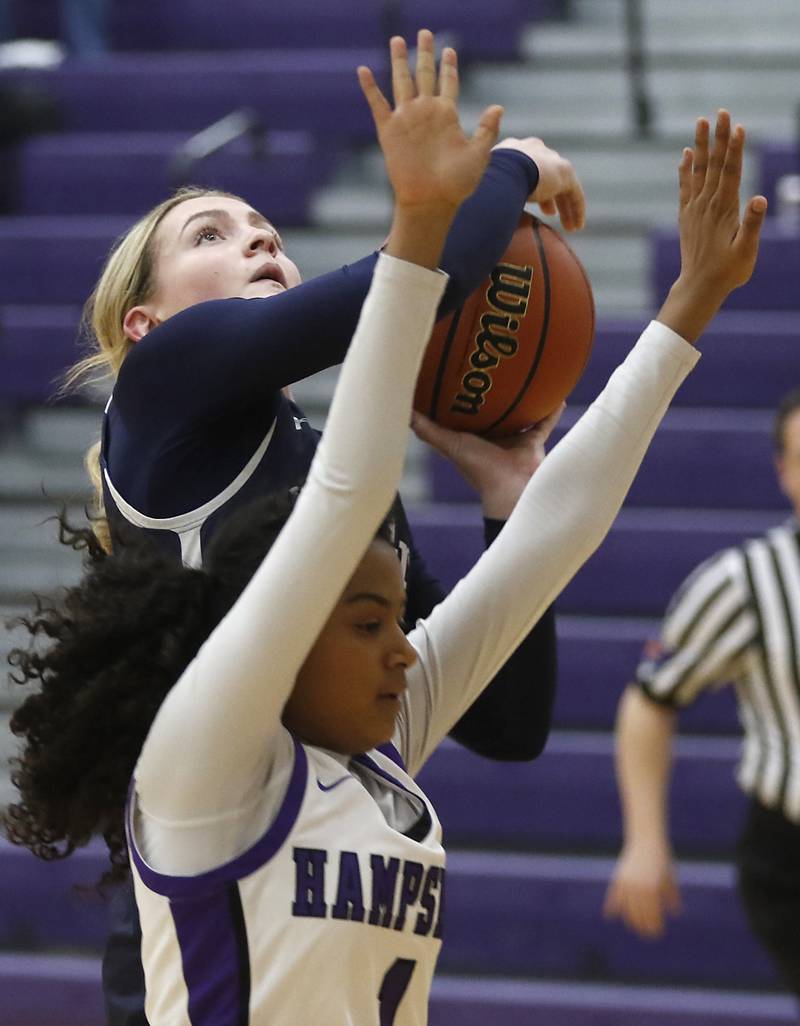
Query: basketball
(516, 348)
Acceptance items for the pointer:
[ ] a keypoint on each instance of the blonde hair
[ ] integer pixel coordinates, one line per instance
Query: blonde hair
(127, 280)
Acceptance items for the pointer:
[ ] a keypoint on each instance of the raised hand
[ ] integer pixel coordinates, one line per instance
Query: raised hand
(558, 189)
(431, 163)
(718, 248)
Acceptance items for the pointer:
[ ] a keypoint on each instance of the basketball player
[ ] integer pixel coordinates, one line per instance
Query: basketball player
(199, 422)
(287, 867)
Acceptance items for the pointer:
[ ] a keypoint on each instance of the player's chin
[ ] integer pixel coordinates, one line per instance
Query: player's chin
(384, 719)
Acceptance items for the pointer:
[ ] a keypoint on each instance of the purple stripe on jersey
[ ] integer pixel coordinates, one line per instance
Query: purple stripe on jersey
(215, 959)
(243, 865)
(392, 753)
(370, 763)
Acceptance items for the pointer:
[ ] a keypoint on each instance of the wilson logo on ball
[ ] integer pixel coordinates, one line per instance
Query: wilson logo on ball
(507, 295)
(518, 343)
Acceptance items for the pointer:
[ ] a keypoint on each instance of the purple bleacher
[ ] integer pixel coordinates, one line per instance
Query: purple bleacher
(477, 30)
(37, 344)
(187, 25)
(314, 90)
(129, 173)
(776, 158)
(568, 797)
(472, 1001)
(538, 916)
(748, 359)
(52, 905)
(54, 259)
(774, 284)
(597, 658)
(699, 459)
(50, 990)
(645, 556)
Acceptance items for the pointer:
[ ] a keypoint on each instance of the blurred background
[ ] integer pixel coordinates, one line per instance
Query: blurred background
(108, 104)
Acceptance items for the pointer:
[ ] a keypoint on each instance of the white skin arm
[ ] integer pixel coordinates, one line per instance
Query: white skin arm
(643, 889)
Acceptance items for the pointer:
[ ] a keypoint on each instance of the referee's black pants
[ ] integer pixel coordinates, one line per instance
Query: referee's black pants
(768, 861)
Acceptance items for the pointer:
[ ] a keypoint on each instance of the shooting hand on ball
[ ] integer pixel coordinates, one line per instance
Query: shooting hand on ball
(497, 469)
(558, 190)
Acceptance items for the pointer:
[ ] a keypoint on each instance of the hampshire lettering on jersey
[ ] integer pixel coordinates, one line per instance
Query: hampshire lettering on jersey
(394, 892)
(507, 296)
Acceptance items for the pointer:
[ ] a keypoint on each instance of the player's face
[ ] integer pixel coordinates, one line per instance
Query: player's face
(788, 462)
(347, 693)
(215, 247)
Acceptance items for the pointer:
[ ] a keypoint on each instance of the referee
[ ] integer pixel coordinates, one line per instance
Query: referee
(735, 619)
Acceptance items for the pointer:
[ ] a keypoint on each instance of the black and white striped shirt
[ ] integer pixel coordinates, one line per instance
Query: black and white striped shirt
(736, 619)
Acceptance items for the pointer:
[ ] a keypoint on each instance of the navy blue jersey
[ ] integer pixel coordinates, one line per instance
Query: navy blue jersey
(198, 425)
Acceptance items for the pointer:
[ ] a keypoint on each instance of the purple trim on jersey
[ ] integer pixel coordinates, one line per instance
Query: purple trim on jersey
(392, 753)
(215, 958)
(178, 887)
(427, 819)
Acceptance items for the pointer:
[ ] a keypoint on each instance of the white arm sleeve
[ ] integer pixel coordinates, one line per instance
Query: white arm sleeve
(561, 517)
(209, 750)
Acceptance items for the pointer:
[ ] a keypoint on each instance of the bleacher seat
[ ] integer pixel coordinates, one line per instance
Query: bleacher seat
(712, 459)
(597, 657)
(45, 990)
(777, 157)
(314, 89)
(140, 25)
(643, 559)
(127, 173)
(745, 356)
(567, 799)
(477, 1001)
(773, 285)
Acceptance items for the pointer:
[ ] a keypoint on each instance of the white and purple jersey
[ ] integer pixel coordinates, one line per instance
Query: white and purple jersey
(332, 916)
(277, 882)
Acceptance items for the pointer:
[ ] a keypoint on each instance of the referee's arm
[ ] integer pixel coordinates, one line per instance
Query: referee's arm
(643, 888)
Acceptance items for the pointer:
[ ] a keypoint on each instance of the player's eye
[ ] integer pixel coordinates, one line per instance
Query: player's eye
(208, 233)
(370, 626)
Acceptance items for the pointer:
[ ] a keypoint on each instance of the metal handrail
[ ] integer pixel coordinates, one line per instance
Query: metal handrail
(241, 123)
(641, 104)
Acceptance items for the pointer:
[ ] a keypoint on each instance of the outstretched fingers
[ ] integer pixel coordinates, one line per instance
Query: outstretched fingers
(378, 104)
(685, 177)
(448, 75)
(426, 63)
(745, 243)
(700, 156)
(403, 87)
(731, 175)
(719, 152)
(485, 135)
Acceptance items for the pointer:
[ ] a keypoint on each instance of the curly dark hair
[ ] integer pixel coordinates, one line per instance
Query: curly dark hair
(116, 644)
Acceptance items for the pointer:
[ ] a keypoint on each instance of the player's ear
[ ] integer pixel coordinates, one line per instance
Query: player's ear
(138, 321)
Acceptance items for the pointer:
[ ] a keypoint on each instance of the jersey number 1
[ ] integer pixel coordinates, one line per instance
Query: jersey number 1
(395, 984)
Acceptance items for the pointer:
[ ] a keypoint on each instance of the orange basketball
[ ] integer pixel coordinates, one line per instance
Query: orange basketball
(516, 348)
